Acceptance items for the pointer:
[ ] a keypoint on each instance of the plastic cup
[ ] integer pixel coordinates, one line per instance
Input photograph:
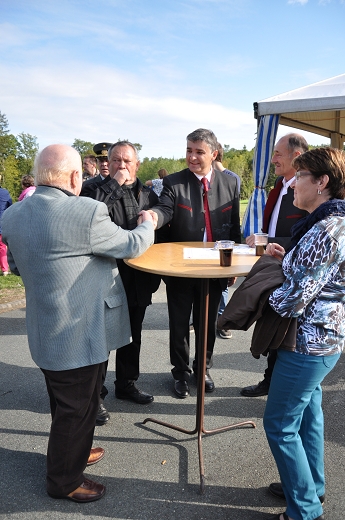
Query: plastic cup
(261, 241)
(225, 252)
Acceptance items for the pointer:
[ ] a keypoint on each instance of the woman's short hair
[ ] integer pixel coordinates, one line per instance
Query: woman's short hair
(162, 173)
(220, 154)
(325, 161)
(27, 181)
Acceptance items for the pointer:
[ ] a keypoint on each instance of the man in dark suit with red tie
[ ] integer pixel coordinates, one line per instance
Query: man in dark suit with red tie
(279, 216)
(200, 204)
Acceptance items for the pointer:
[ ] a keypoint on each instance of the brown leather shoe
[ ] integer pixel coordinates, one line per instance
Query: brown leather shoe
(96, 454)
(88, 491)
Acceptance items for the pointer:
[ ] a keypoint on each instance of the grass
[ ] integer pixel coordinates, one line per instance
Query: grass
(243, 207)
(10, 281)
(11, 288)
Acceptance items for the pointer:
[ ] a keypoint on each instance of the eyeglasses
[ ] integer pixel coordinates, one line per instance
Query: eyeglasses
(301, 174)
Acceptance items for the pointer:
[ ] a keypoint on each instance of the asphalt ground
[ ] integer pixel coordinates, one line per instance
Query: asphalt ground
(151, 472)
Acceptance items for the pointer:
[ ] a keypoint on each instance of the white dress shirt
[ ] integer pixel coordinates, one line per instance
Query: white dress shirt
(275, 213)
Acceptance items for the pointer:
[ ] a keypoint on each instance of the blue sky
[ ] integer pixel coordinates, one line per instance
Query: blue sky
(152, 71)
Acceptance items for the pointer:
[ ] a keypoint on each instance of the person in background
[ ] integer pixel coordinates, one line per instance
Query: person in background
(28, 185)
(89, 167)
(157, 184)
(314, 293)
(75, 300)
(101, 151)
(5, 202)
(199, 204)
(280, 215)
(217, 164)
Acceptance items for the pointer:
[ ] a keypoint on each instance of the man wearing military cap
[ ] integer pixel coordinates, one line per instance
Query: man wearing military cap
(101, 151)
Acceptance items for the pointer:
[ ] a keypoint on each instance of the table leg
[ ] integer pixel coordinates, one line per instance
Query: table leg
(200, 400)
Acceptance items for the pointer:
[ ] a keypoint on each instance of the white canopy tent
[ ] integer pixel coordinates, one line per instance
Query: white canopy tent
(318, 108)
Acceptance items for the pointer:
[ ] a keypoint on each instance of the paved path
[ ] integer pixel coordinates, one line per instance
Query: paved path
(151, 472)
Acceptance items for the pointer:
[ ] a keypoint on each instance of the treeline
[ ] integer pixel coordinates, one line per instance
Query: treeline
(17, 155)
(238, 161)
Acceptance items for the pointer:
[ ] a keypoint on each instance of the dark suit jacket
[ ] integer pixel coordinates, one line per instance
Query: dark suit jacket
(288, 216)
(181, 204)
(138, 285)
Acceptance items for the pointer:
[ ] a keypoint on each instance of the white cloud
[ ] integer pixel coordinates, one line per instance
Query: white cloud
(59, 104)
(12, 36)
(302, 2)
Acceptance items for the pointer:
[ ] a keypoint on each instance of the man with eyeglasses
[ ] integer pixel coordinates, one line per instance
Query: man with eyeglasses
(279, 216)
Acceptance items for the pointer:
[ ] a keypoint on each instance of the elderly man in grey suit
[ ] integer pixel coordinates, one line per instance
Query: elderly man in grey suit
(66, 254)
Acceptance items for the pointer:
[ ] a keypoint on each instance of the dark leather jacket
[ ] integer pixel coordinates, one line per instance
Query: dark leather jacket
(249, 304)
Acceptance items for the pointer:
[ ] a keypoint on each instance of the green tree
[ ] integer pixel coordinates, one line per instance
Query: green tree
(83, 147)
(241, 162)
(8, 143)
(3, 124)
(8, 150)
(17, 154)
(149, 167)
(11, 176)
(27, 149)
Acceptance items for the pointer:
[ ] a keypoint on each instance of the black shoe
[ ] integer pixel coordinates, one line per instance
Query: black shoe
(209, 384)
(256, 390)
(102, 415)
(133, 393)
(277, 490)
(181, 389)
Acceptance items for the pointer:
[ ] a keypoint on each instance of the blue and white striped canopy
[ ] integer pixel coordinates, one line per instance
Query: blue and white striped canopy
(267, 132)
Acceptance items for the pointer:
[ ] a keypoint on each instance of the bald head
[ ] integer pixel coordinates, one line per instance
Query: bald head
(59, 165)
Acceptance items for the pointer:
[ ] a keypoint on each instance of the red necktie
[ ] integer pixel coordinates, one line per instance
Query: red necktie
(271, 202)
(209, 237)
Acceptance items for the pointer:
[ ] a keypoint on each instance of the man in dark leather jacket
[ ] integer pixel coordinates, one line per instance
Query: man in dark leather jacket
(125, 196)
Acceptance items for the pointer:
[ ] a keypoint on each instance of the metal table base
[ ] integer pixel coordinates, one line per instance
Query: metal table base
(200, 401)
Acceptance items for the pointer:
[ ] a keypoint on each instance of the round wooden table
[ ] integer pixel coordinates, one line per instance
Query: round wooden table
(170, 259)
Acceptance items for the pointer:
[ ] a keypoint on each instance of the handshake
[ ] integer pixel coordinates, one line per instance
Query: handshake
(148, 215)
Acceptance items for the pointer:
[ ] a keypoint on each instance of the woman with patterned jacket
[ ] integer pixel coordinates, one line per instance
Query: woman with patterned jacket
(314, 293)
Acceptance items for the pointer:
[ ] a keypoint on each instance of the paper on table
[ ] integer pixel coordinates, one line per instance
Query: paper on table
(243, 249)
(205, 253)
(200, 253)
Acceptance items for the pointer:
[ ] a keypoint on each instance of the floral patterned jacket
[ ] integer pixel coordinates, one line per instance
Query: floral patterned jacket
(314, 289)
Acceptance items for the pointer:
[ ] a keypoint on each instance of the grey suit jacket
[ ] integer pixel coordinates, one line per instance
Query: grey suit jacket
(64, 247)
